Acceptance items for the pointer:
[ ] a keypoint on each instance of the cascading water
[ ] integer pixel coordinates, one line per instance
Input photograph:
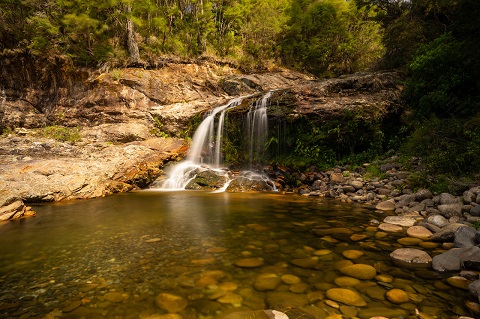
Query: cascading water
(257, 127)
(206, 149)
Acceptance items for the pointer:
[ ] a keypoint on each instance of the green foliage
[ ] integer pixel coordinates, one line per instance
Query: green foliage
(62, 133)
(329, 37)
(439, 81)
(157, 130)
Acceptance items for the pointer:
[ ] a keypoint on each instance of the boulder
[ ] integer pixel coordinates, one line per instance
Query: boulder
(437, 220)
(465, 237)
(456, 258)
(411, 258)
(419, 232)
(450, 210)
(447, 233)
(423, 194)
(446, 198)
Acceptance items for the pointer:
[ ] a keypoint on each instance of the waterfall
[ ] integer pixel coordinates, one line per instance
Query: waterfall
(257, 127)
(206, 149)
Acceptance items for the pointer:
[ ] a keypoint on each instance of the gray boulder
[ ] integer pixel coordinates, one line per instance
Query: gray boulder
(451, 209)
(465, 237)
(447, 233)
(454, 259)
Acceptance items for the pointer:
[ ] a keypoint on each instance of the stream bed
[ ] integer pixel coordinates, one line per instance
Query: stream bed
(202, 255)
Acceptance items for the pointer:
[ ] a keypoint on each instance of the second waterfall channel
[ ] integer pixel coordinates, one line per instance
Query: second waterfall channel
(204, 166)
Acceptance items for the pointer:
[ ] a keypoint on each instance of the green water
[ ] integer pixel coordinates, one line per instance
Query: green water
(111, 257)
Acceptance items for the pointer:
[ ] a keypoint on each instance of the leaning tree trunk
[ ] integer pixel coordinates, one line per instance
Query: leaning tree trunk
(132, 46)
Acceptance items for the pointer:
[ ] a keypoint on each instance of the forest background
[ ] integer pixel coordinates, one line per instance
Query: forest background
(435, 42)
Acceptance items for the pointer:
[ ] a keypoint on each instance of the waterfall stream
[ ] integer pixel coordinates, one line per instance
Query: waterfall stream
(206, 149)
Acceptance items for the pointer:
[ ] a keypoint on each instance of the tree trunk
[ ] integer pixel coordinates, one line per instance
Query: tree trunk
(132, 46)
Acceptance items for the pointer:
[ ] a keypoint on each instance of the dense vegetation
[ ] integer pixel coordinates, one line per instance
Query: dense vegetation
(434, 41)
(328, 36)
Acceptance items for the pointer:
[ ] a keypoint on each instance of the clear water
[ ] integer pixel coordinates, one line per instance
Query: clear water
(138, 245)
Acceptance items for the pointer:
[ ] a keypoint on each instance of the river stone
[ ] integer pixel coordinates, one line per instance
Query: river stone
(400, 221)
(305, 262)
(405, 200)
(450, 210)
(344, 281)
(474, 288)
(291, 299)
(260, 314)
(447, 233)
(290, 279)
(352, 254)
(423, 194)
(171, 303)
(359, 271)
(390, 228)
(322, 252)
(465, 237)
(459, 282)
(386, 205)
(267, 281)
(372, 312)
(299, 288)
(475, 211)
(437, 220)
(72, 306)
(113, 296)
(409, 241)
(231, 298)
(337, 178)
(410, 258)
(346, 296)
(453, 259)
(419, 232)
(446, 198)
(249, 263)
(384, 278)
(164, 316)
(9, 211)
(356, 184)
(397, 296)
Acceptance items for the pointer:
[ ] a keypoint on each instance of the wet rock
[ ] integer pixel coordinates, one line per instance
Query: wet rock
(474, 288)
(447, 233)
(290, 299)
(249, 263)
(419, 232)
(373, 312)
(400, 220)
(386, 205)
(171, 303)
(459, 282)
(359, 271)
(346, 296)
(475, 210)
(410, 258)
(352, 254)
(268, 281)
(114, 296)
(453, 259)
(260, 314)
(356, 184)
(390, 228)
(397, 296)
(345, 281)
(305, 262)
(290, 279)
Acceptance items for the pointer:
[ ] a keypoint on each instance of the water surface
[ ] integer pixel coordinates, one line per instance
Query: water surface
(111, 257)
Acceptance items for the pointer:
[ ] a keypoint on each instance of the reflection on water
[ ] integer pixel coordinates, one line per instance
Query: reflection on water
(117, 257)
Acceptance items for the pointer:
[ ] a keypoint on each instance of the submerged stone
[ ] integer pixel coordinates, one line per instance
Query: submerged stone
(249, 263)
(410, 258)
(171, 303)
(397, 296)
(359, 271)
(346, 296)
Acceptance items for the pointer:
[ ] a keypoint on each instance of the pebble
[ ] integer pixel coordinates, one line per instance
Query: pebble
(249, 263)
(346, 281)
(290, 279)
(352, 254)
(359, 271)
(397, 296)
(346, 296)
(113, 296)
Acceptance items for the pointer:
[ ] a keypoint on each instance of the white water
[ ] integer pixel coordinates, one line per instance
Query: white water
(206, 148)
(257, 127)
